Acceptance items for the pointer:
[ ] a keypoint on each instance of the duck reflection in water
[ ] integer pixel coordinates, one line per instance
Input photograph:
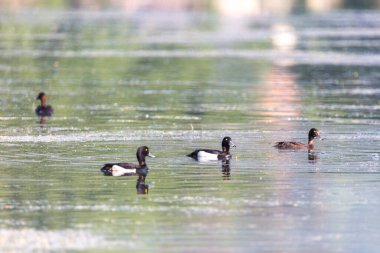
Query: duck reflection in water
(312, 156)
(141, 186)
(226, 170)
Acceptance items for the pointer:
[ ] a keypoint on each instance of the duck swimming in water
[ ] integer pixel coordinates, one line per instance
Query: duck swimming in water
(212, 154)
(129, 169)
(43, 110)
(313, 133)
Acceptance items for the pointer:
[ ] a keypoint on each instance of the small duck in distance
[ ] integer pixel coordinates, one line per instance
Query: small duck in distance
(129, 169)
(212, 154)
(313, 133)
(43, 110)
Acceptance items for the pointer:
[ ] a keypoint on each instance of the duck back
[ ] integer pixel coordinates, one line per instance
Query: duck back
(289, 145)
(204, 153)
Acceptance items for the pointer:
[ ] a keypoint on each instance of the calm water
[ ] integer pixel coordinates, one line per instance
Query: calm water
(175, 83)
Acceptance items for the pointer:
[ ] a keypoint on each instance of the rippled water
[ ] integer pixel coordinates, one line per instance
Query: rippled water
(119, 81)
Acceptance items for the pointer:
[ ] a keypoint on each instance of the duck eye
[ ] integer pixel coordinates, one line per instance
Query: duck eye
(146, 149)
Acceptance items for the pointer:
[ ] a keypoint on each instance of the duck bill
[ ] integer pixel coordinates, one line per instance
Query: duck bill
(232, 144)
(151, 155)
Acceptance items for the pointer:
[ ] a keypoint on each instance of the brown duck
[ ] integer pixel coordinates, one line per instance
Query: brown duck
(43, 110)
(313, 133)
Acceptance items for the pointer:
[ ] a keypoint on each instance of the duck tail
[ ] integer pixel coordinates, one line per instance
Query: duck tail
(192, 155)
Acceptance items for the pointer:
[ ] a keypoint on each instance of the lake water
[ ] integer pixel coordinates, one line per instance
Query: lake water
(179, 82)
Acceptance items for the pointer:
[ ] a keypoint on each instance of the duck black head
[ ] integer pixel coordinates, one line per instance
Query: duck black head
(226, 144)
(313, 133)
(141, 153)
(42, 96)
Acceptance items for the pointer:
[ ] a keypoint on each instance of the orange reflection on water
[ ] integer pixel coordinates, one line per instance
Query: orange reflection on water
(280, 96)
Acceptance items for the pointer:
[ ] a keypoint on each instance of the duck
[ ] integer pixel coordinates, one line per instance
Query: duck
(129, 169)
(212, 154)
(43, 110)
(313, 133)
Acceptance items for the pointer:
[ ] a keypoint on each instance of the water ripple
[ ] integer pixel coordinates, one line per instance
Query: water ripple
(300, 57)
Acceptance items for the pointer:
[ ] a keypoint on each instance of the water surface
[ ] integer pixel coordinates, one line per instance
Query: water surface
(119, 81)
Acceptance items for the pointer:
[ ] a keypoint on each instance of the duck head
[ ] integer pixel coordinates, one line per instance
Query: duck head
(226, 144)
(42, 96)
(141, 153)
(313, 133)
